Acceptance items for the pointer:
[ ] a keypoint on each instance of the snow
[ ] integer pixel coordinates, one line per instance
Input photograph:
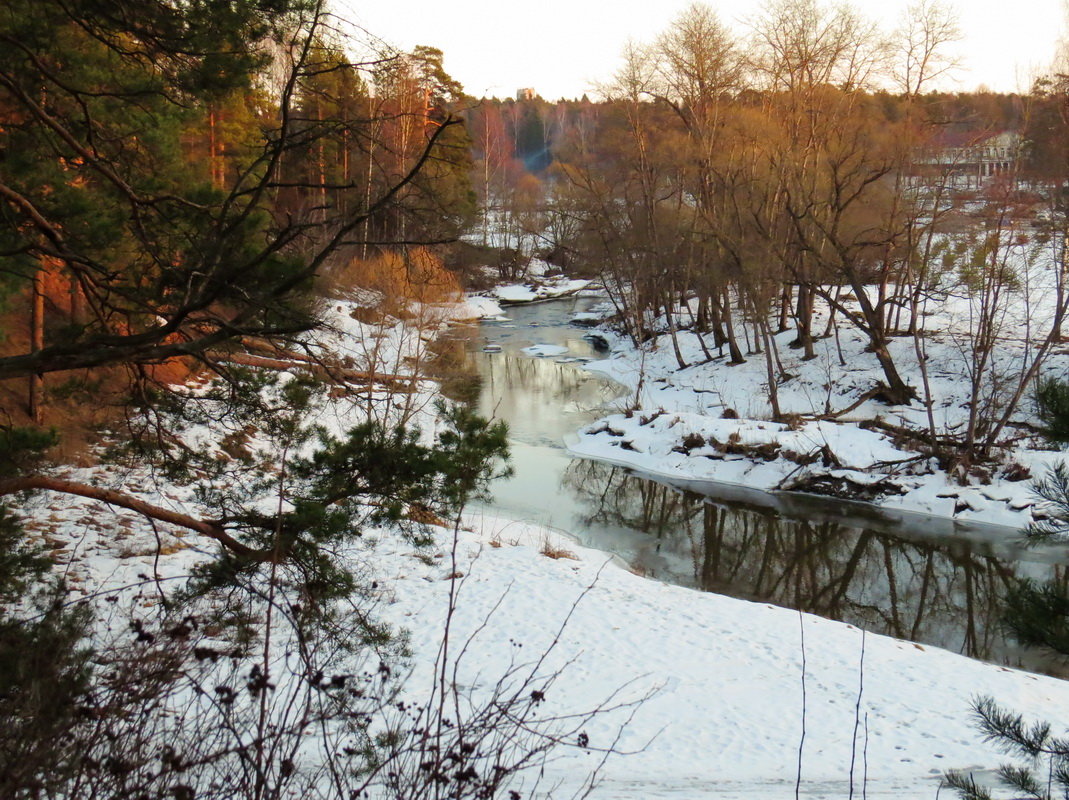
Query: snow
(476, 307)
(543, 350)
(724, 677)
(543, 289)
(725, 717)
(585, 318)
(517, 293)
(865, 458)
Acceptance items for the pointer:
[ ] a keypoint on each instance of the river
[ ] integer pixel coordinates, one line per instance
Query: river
(920, 579)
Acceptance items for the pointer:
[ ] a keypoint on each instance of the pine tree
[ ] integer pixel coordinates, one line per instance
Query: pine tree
(184, 171)
(172, 261)
(1052, 407)
(1038, 616)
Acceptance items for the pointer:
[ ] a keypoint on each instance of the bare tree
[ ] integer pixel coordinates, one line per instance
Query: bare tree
(920, 47)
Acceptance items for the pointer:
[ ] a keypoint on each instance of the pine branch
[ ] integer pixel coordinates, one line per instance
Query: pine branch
(1053, 489)
(1010, 731)
(965, 785)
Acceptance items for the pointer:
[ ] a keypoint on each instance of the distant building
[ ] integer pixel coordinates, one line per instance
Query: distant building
(969, 159)
(525, 94)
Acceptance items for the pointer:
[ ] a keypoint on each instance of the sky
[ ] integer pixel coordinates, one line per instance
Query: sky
(564, 48)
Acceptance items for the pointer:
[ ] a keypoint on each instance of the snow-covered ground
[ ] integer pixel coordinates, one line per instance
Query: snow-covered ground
(728, 677)
(489, 305)
(477, 307)
(725, 716)
(541, 289)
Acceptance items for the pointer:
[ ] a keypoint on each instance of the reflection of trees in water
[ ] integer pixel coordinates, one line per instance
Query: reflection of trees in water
(941, 593)
(454, 368)
(458, 361)
(518, 389)
(543, 376)
(463, 371)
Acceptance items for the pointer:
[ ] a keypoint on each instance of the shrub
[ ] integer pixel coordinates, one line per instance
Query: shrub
(1052, 407)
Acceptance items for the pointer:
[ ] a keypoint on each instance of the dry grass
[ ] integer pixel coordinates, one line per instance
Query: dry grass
(551, 550)
(424, 516)
(397, 278)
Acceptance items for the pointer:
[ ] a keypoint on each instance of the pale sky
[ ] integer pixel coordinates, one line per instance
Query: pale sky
(562, 48)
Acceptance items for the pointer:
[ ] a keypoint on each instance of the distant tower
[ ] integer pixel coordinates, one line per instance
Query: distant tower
(525, 94)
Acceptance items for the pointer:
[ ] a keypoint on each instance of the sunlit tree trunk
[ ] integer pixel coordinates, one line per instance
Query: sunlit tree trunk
(37, 341)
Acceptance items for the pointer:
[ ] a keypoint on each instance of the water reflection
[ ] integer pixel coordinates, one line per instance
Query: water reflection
(899, 578)
(946, 592)
(542, 400)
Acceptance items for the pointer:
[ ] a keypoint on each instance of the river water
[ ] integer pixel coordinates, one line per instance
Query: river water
(919, 579)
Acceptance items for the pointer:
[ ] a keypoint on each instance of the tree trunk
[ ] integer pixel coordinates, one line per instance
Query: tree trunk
(37, 342)
(773, 389)
(213, 151)
(804, 322)
(701, 321)
(675, 339)
(729, 329)
(704, 346)
(897, 391)
(715, 322)
(77, 303)
(321, 165)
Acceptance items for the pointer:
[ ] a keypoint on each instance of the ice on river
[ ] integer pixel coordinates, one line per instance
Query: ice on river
(543, 350)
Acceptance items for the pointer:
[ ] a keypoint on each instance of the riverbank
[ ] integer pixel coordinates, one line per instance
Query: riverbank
(491, 303)
(709, 421)
(726, 702)
(935, 581)
(726, 714)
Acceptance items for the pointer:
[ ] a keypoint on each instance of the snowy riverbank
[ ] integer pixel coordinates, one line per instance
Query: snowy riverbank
(725, 717)
(488, 305)
(709, 421)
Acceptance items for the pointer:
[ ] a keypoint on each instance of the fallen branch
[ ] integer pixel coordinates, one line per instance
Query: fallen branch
(899, 462)
(256, 345)
(209, 528)
(871, 393)
(329, 373)
(909, 433)
(844, 488)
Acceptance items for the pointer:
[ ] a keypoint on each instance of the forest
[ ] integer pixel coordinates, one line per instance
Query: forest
(241, 456)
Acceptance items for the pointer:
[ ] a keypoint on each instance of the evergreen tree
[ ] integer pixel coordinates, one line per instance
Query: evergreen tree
(96, 185)
(182, 172)
(1052, 407)
(1038, 616)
